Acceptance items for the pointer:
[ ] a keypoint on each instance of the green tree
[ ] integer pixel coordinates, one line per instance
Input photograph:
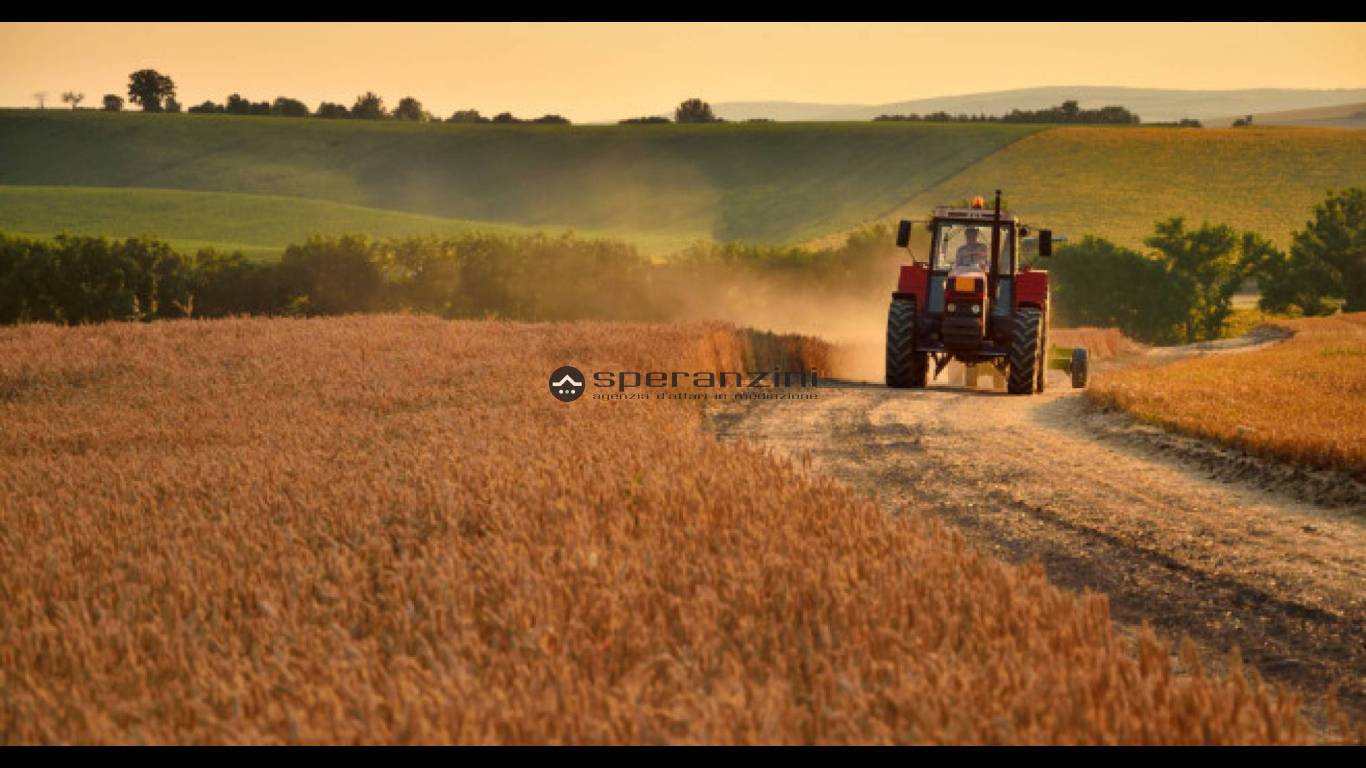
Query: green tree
(1327, 262)
(1095, 282)
(1204, 268)
(112, 103)
(236, 105)
(228, 283)
(410, 108)
(287, 107)
(694, 111)
(333, 111)
(368, 106)
(73, 98)
(22, 297)
(148, 88)
(466, 116)
(329, 276)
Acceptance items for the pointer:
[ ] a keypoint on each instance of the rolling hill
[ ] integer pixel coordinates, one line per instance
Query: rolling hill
(1152, 104)
(1116, 182)
(258, 225)
(661, 184)
(261, 183)
(1337, 116)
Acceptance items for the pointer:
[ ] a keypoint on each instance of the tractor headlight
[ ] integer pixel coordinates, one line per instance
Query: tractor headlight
(976, 309)
(951, 307)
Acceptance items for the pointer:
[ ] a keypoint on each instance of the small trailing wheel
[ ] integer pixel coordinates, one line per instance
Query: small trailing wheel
(1080, 363)
(905, 366)
(1025, 352)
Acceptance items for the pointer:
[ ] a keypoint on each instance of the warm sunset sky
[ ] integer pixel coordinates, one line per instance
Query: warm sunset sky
(601, 71)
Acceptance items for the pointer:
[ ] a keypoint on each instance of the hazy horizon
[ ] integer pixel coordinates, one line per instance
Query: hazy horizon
(595, 72)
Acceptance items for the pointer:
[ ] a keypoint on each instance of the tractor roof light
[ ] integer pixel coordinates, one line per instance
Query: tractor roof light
(978, 202)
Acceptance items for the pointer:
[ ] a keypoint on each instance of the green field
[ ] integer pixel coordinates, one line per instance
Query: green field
(663, 184)
(258, 225)
(259, 182)
(1116, 182)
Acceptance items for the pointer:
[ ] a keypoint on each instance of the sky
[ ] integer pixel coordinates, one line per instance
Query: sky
(592, 72)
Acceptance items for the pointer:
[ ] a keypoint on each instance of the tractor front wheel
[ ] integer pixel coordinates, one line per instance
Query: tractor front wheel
(1025, 353)
(905, 366)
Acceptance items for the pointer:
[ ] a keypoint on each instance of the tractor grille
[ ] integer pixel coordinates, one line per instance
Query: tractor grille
(962, 331)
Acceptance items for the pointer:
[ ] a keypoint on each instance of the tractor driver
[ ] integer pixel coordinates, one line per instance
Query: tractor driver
(972, 256)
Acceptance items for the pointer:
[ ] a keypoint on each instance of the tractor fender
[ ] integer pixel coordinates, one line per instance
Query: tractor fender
(1031, 289)
(913, 283)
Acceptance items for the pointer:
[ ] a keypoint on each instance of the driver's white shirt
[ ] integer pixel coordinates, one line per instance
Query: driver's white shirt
(970, 258)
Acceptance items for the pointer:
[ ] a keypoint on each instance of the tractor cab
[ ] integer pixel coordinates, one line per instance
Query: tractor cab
(971, 300)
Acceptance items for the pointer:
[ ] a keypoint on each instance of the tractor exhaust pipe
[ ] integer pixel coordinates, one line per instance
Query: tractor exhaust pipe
(995, 249)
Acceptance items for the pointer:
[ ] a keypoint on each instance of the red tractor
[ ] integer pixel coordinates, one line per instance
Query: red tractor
(973, 302)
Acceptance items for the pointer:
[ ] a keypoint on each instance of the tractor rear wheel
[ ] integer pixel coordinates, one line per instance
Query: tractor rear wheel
(905, 366)
(1024, 351)
(1042, 381)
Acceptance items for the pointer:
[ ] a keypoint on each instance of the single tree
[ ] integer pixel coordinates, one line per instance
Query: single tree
(1205, 268)
(73, 98)
(112, 103)
(333, 111)
(368, 106)
(236, 105)
(287, 107)
(41, 98)
(694, 111)
(148, 87)
(171, 104)
(1327, 263)
(409, 108)
(466, 116)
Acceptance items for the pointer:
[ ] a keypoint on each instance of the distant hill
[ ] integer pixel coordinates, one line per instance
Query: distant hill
(260, 182)
(658, 185)
(783, 111)
(1339, 116)
(1117, 182)
(1151, 104)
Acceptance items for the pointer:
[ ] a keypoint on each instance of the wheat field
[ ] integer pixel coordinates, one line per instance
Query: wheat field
(1303, 399)
(384, 530)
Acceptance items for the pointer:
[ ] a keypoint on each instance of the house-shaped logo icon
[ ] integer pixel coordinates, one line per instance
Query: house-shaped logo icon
(567, 383)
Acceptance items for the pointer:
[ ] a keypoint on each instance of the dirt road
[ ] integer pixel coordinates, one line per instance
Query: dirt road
(1174, 539)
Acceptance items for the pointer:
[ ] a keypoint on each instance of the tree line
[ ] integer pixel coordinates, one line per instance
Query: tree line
(1067, 112)
(1183, 290)
(155, 92)
(79, 279)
